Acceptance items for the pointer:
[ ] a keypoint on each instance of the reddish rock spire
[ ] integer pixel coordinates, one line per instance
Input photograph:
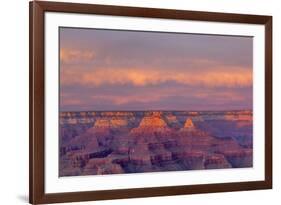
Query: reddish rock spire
(152, 121)
(189, 124)
(150, 125)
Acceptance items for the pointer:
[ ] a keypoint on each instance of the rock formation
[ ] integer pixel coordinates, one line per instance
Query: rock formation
(93, 143)
(151, 126)
(189, 129)
(152, 121)
(189, 124)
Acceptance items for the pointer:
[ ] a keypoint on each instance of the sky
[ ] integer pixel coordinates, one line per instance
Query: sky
(114, 70)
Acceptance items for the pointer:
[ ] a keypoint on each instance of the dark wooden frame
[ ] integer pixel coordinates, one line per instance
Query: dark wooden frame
(37, 194)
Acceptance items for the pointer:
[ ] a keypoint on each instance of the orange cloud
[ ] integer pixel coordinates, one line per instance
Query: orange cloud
(72, 55)
(213, 77)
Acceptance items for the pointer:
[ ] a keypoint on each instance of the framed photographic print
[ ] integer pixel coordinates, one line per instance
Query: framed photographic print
(139, 102)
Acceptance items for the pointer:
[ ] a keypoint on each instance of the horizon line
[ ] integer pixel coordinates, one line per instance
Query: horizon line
(230, 110)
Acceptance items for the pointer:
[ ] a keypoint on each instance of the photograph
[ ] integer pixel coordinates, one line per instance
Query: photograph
(130, 102)
(133, 101)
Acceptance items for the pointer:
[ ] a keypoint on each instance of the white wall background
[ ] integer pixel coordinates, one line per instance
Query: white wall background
(14, 100)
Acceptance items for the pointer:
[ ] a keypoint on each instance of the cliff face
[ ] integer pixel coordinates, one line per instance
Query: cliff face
(170, 117)
(110, 123)
(102, 123)
(135, 142)
(152, 122)
(150, 126)
(189, 124)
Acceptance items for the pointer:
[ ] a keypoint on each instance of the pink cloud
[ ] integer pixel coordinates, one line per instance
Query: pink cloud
(74, 55)
(213, 77)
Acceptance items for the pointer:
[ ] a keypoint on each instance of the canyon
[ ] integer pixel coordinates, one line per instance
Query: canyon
(103, 142)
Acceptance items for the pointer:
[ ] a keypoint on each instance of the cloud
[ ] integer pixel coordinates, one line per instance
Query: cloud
(122, 70)
(75, 55)
(214, 77)
(168, 98)
(124, 46)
